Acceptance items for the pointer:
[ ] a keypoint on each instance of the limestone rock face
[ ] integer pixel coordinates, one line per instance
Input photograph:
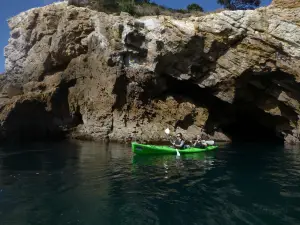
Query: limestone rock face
(286, 3)
(223, 75)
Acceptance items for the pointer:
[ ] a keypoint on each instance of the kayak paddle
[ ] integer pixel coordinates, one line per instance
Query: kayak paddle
(167, 131)
(210, 142)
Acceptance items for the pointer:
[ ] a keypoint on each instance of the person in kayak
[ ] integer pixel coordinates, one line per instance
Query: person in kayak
(198, 143)
(179, 143)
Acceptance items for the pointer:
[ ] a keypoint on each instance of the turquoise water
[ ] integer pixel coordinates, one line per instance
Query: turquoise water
(90, 183)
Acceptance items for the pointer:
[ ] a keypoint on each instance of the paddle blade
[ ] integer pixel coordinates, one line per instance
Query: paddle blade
(178, 154)
(210, 142)
(167, 131)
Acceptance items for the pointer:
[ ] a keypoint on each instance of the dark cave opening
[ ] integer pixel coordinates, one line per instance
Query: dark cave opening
(255, 95)
(120, 90)
(250, 124)
(240, 121)
(77, 117)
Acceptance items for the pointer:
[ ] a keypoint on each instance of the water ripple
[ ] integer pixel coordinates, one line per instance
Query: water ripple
(87, 184)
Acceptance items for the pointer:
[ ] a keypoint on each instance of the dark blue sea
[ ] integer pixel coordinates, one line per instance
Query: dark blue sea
(85, 183)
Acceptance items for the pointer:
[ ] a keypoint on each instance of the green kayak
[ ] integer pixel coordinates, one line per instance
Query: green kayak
(142, 149)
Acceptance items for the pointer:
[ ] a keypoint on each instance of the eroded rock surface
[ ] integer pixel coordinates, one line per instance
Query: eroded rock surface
(108, 77)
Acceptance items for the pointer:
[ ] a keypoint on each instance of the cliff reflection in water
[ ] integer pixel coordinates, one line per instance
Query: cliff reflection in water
(50, 183)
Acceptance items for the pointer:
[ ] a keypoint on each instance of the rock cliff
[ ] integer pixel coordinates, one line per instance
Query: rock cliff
(228, 75)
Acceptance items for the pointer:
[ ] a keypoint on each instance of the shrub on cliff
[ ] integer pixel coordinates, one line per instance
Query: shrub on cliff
(141, 8)
(149, 8)
(126, 6)
(194, 7)
(239, 4)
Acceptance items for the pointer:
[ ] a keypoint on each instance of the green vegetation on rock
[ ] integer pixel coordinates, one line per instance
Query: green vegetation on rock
(143, 8)
(239, 4)
(150, 8)
(194, 7)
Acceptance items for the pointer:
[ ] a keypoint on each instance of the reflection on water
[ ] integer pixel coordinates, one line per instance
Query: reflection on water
(93, 183)
(201, 162)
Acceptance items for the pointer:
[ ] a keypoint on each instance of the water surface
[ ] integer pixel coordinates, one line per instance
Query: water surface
(91, 183)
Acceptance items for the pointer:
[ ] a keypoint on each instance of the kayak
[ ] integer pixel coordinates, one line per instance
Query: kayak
(142, 149)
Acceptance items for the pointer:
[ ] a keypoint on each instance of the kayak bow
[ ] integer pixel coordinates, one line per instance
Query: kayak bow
(142, 149)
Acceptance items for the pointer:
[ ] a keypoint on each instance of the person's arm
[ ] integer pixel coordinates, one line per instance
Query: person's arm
(171, 140)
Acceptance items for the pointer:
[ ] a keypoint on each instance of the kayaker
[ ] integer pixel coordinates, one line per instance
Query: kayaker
(129, 139)
(179, 143)
(198, 143)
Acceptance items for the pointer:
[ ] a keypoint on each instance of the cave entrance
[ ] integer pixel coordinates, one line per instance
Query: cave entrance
(258, 114)
(252, 125)
(242, 121)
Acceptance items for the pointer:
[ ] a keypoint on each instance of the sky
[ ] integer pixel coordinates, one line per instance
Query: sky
(10, 8)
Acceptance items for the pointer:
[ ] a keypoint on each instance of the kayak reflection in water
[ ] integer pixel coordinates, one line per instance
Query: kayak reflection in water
(179, 143)
(198, 143)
